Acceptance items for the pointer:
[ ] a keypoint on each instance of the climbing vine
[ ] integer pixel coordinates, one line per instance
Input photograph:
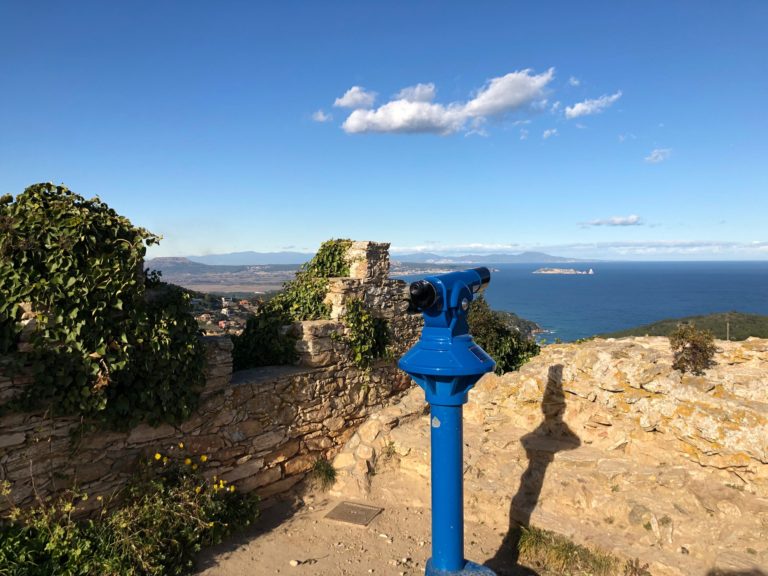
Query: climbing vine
(98, 344)
(366, 336)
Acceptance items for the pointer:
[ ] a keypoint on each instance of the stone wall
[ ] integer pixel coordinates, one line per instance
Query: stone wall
(260, 429)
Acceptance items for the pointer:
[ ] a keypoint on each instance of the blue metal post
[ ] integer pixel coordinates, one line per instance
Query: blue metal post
(447, 363)
(447, 488)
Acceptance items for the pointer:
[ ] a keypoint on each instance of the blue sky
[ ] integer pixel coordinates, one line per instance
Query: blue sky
(629, 130)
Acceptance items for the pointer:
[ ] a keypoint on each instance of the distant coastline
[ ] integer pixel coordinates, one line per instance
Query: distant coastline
(568, 271)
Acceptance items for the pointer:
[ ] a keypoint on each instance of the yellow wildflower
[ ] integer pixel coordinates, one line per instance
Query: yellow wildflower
(194, 466)
(203, 458)
(187, 461)
(181, 445)
(158, 455)
(231, 488)
(165, 459)
(197, 489)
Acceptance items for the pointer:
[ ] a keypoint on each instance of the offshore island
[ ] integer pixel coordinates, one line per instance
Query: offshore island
(570, 271)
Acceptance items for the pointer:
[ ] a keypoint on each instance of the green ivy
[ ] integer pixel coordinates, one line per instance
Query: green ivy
(264, 341)
(367, 337)
(100, 346)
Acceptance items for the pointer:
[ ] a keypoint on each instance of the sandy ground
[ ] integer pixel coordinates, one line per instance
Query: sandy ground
(296, 538)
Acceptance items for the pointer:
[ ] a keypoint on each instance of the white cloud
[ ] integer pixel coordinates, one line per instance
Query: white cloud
(631, 220)
(549, 133)
(508, 92)
(412, 110)
(658, 155)
(523, 134)
(418, 93)
(407, 117)
(627, 136)
(321, 116)
(573, 81)
(356, 97)
(588, 107)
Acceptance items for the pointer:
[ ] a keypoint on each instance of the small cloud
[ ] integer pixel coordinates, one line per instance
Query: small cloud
(356, 97)
(523, 134)
(631, 220)
(418, 93)
(626, 136)
(321, 116)
(658, 155)
(581, 126)
(594, 106)
(573, 81)
(555, 107)
(549, 133)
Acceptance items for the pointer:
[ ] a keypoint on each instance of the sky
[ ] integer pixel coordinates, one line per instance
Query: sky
(601, 129)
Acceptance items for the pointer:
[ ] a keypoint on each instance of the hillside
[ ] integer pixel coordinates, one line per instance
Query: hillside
(742, 326)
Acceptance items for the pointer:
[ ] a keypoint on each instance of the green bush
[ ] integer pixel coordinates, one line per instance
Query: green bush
(693, 349)
(494, 334)
(99, 346)
(264, 341)
(156, 528)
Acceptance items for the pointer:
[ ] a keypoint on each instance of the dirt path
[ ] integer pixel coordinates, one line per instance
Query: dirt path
(301, 541)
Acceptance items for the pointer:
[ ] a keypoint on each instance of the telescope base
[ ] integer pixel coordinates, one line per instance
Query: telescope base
(470, 569)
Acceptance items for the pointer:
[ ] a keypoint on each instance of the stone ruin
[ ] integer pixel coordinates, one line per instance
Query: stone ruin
(262, 429)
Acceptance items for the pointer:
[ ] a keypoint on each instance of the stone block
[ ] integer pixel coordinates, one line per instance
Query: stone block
(280, 486)
(299, 464)
(246, 470)
(283, 453)
(260, 479)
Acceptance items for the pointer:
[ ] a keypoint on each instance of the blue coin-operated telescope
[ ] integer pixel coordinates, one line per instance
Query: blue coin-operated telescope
(446, 363)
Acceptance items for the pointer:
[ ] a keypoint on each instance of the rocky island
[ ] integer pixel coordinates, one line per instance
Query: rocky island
(570, 271)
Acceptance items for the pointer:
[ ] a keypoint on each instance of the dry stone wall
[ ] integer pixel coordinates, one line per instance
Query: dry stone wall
(261, 429)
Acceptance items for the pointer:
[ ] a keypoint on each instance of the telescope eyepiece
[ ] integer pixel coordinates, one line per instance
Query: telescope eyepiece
(423, 294)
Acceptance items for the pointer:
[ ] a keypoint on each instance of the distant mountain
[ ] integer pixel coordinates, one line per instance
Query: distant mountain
(173, 266)
(251, 258)
(523, 258)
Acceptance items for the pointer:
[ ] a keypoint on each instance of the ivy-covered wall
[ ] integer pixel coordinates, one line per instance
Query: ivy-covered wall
(261, 429)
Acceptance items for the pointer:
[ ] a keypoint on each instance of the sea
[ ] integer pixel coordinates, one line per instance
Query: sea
(621, 295)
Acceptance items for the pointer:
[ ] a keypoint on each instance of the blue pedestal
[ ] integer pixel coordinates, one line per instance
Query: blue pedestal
(447, 363)
(469, 569)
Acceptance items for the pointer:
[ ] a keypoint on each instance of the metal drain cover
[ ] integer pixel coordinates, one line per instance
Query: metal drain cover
(353, 513)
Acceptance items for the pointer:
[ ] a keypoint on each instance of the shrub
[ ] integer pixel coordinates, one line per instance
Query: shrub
(98, 347)
(264, 342)
(505, 345)
(693, 349)
(324, 472)
(160, 522)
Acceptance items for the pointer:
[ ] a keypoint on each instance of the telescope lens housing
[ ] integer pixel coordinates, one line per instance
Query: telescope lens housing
(423, 294)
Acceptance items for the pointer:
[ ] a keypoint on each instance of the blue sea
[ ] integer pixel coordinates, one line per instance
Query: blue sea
(622, 295)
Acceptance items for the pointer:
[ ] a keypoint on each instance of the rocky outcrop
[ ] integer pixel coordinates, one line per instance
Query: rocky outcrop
(603, 442)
